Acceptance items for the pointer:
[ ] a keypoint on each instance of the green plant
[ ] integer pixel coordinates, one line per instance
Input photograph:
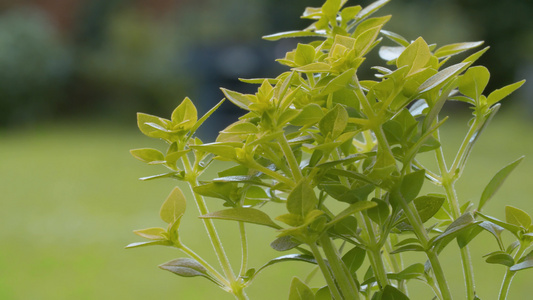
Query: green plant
(342, 155)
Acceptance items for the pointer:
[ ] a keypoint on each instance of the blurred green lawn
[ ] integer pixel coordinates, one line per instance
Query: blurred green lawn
(69, 199)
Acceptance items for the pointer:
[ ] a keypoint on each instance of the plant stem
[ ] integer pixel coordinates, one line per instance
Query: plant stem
(244, 245)
(374, 253)
(448, 182)
(333, 288)
(206, 265)
(208, 224)
(291, 159)
(343, 277)
(509, 275)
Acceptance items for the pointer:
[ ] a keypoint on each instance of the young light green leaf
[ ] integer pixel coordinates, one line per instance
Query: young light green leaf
(496, 182)
(309, 115)
(304, 55)
(416, 56)
(173, 207)
(205, 116)
(243, 214)
(499, 94)
(370, 9)
(237, 98)
(300, 291)
(452, 49)
(441, 77)
(291, 34)
(185, 115)
(148, 155)
(473, 82)
(461, 224)
(398, 39)
(302, 199)
(340, 82)
(144, 119)
(154, 233)
(517, 217)
(149, 243)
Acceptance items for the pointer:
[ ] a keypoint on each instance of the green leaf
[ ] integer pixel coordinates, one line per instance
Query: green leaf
(206, 116)
(409, 247)
(452, 49)
(501, 258)
(154, 233)
(441, 77)
(187, 267)
(291, 34)
(284, 243)
(184, 117)
(496, 182)
(340, 82)
(517, 217)
(427, 206)
(514, 229)
(354, 259)
(287, 258)
(346, 226)
(370, 9)
(380, 212)
(222, 149)
(173, 207)
(412, 184)
(144, 119)
(525, 262)
(302, 199)
(334, 122)
(473, 82)
(499, 94)
(300, 291)
(318, 67)
(309, 115)
(243, 214)
(412, 272)
(416, 56)
(148, 155)
(304, 55)
(398, 39)
(460, 225)
(226, 191)
(495, 230)
(366, 40)
(392, 293)
(150, 243)
(353, 208)
(237, 98)
(323, 294)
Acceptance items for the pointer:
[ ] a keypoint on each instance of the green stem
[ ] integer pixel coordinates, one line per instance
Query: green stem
(343, 277)
(374, 253)
(244, 245)
(291, 159)
(209, 226)
(334, 290)
(395, 261)
(509, 275)
(204, 263)
(273, 174)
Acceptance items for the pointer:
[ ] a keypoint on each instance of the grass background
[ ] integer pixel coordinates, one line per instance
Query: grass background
(69, 200)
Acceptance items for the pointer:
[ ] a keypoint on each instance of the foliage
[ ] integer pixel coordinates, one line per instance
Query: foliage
(341, 154)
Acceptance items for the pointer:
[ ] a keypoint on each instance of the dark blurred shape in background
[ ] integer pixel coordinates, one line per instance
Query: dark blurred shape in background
(112, 58)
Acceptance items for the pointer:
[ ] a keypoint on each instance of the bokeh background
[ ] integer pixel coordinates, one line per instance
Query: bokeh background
(74, 73)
